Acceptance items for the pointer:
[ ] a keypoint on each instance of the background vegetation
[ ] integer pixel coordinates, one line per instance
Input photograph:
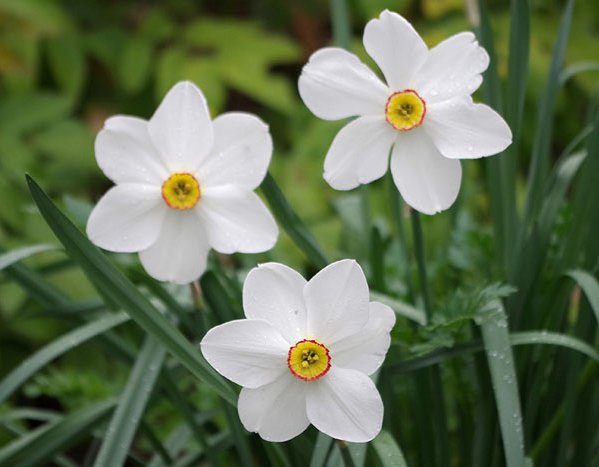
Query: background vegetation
(83, 382)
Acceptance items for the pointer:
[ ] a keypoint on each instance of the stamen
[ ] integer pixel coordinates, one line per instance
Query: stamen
(181, 191)
(405, 110)
(308, 360)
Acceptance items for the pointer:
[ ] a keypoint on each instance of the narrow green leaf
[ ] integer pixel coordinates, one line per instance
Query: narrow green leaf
(576, 68)
(56, 348)
(388, 450)
(14, 256)
(292, 224)
(400, 308)
(132, 403)
(118, 289)
(321, 450)
(497, 345)
(554, 338)
(39, 445)
(590, 286)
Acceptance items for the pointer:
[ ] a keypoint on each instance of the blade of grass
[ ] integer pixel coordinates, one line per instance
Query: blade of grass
(131, 406)
(505, 385)
(63, 344)
(388, 450)
(292, 224)
(589, 286)
(400, 308)
(39, 445)
(321, 450)
(11, 257)
(121, 291)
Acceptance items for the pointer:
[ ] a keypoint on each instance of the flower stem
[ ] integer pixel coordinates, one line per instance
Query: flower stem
(420, 262)
(345, 454)
(341, 26)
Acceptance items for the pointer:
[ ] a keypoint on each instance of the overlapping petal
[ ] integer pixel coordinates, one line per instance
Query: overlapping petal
(359, 153)
(461, 129)
(181, 128)
(277, 411)
(337, 302)
(127, 218)
(236, 220)
(452, 68)
(125, 153)
(181, 251)
(274, 292)
(366, 350)
(241, 152)
(428, 181)
(335, 84)
(345, 405)
(249, 352)
(396, 47)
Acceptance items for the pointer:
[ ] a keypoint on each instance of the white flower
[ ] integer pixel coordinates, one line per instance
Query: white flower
(184, 184)
(304, 353)
(424, 111)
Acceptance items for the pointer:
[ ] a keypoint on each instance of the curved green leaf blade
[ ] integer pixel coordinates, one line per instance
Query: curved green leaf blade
(388, 450)
(132, 403)
(118, 289)
(401, 308)
(554, 338)
(590, 287)
(14, 256)
(56, 348)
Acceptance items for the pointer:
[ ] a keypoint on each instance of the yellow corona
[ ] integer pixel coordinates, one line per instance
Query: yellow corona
(181, 191)
(405, 110)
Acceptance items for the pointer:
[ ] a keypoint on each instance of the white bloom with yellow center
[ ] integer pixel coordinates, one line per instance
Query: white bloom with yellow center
(184, 184)
(423, 115)
(304, 353)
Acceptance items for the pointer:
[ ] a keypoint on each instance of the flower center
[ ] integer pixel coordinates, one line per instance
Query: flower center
(405, 110)
(181, 191)
(308, 360)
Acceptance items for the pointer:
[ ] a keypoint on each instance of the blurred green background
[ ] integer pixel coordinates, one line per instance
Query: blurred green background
(65, 66)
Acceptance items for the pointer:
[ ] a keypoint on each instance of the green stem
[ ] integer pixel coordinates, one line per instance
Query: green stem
(420, 261)
(341, 26)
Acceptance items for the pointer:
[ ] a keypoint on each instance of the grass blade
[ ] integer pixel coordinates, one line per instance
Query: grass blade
(554, 338)
(388, 450)
(131, 406)
(37, 446)
(400, 308)
(321, 450)
(56, 348)
(118, 289)
(590, 287)
(292, 224)
(498, 349)
(11, 257)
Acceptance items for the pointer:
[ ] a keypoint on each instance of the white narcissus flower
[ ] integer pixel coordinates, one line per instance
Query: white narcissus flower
(304, 353)
(424, 112)
(184, 184)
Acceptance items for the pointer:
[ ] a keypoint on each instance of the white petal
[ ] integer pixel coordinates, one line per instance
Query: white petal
(427, 181)
(359, 153)
(337, 302)
(274, 292)
(180, 253)
(366, 350)
(241, 152)
(396, 48)
(335, 84)
(276, 411)
(236, 220)
(462, 129)
(452, 68)
(181, 128)
(346, 405)
(125, 153)
(249, 352)
(127, 218)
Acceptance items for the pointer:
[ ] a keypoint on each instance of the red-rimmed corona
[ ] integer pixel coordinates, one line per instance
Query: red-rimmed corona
(309, 360)
(181, 191)
(405, 110)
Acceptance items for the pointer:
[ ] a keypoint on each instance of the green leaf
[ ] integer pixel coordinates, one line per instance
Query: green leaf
(6, 259)
(39, 445)
(497, 345)
(321, 450)
(132, 403)
(22, 113)
(121, 291)
(66, 60)
(590, 286)
(292, 224)
(388, 450)
(135, 64)
(553, 338)
(576, 68)
(401, 308)
(54, 349)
